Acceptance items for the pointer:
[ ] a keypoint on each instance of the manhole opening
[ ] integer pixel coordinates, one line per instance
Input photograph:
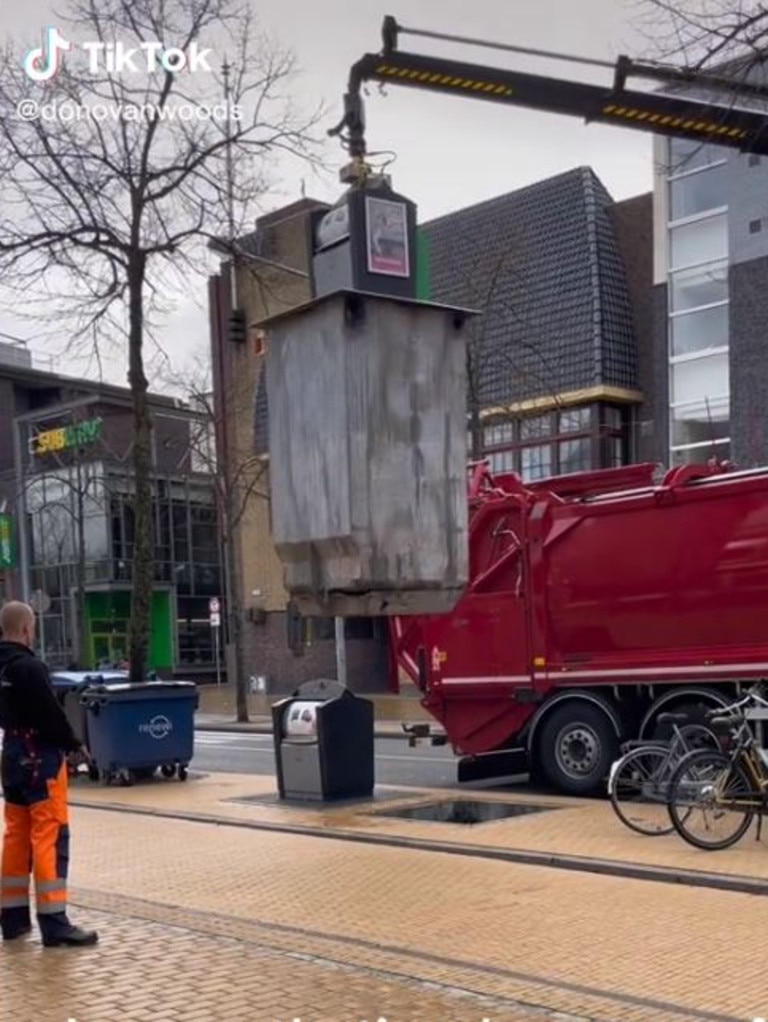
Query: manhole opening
(464, 811)
(273, 799)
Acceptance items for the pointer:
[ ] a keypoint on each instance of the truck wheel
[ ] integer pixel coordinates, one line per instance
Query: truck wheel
(577, 746)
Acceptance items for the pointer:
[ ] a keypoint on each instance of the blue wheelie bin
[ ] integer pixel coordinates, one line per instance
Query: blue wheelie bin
(136, 729)
(69, 687)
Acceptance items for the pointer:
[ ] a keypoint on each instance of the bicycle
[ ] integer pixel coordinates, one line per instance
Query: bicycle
(639, 780)
(723, 786)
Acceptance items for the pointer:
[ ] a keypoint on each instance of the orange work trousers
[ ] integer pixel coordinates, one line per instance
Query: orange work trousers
(36, 840)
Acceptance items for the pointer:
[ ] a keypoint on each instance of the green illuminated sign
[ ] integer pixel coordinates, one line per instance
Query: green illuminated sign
(7, 550)
(64, 439)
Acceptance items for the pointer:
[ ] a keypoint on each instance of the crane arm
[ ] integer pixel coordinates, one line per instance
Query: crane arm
(725, 124)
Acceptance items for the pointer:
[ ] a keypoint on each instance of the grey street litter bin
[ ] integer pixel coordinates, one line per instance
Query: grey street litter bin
(323, 738)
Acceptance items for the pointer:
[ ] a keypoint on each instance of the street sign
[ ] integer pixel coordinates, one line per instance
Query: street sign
(7, 550)
(214, 612)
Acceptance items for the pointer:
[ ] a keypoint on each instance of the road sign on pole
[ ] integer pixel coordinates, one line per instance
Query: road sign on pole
(214, 613)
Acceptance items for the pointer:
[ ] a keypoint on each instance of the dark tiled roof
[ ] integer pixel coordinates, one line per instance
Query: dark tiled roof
(543, 266)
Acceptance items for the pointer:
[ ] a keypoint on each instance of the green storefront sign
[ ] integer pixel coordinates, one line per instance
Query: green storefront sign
(64, 439)
(7, 546)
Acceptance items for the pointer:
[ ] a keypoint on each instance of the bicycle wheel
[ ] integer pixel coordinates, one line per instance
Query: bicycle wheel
(638, 790)
(700, 790)
(697, 736)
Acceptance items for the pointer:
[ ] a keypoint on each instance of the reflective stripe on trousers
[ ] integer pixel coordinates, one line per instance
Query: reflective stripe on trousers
(37, 842)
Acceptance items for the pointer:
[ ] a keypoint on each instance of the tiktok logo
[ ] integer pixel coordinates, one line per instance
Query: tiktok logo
(43, 62)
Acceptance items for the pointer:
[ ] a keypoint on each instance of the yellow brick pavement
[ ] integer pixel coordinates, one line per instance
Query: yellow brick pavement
(215, 922)
(579, 827)
(605, 948)
(148, 971)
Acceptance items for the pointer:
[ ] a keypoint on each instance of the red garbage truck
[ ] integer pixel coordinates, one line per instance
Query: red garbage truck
(596, 602)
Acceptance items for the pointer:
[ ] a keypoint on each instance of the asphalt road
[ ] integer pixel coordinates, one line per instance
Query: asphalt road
(396, 763)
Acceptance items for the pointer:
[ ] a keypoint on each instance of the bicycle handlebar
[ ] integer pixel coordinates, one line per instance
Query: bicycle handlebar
(753, 695)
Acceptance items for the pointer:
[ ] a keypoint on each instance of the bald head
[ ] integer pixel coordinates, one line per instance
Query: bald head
(17, 622)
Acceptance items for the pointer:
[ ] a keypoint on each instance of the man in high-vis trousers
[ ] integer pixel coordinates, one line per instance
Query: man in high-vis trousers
(38, 742)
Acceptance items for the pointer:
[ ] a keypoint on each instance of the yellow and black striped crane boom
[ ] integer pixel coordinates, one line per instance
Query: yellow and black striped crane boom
(675, 114)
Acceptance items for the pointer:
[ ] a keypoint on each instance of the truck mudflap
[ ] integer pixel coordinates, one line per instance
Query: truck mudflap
(489, 765)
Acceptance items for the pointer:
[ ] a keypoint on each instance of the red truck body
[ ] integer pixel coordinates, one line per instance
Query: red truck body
(595, 602)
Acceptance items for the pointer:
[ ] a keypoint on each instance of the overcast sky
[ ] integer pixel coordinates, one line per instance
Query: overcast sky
(450, 152)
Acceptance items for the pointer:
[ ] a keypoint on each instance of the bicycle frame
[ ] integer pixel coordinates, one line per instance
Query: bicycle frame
(746, 755)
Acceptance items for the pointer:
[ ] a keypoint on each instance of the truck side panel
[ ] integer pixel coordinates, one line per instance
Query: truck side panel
(678, 579)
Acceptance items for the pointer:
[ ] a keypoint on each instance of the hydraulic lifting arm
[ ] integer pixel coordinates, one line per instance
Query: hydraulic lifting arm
(727, 124)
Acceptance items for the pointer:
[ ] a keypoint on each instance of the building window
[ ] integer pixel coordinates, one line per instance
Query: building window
(535, 427)
(575, 420)
(536, 462)
(691, 194)
(688, 155)
(704, 377)
(575, 455)
(699, 242)
(702, 422)
(502, 461)
(561, 442)
(699, 330)
(498, 434)
(699, 378)
(699, 287)
(698, 454)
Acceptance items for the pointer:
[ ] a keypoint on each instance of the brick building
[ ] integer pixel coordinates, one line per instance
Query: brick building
(272, 277)
(66, 479)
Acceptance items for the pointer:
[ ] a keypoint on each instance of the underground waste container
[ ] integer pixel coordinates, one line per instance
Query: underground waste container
(136, 729)
(324, 743)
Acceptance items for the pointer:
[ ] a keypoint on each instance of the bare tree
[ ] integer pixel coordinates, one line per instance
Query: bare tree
(500, 352)
(707, 34)
(113, 179)
(236, 487)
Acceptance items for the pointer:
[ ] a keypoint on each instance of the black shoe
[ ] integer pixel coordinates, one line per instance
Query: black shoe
(74, 936)
(15, 934)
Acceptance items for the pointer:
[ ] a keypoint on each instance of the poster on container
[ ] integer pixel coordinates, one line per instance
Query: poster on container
(387, 237)
(302, 718)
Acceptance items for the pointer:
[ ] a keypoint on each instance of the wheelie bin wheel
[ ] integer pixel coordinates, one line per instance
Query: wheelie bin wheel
(126, 778)
(183, 773)
(93, 772)
(168, 770)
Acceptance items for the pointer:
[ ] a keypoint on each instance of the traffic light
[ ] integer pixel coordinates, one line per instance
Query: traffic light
(237, 326)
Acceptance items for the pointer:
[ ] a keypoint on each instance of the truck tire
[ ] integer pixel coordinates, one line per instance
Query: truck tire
(576, 748)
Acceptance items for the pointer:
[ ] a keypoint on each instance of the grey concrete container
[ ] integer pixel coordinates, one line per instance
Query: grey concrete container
(368, 454)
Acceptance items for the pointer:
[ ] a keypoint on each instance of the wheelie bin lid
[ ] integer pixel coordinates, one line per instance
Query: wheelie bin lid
(72, 679)
(143, 690)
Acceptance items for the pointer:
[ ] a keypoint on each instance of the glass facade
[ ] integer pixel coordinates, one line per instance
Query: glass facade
(187, 559)
(559, 442)
(699, 386)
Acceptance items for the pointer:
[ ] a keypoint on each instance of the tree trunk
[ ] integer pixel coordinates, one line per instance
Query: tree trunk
(475, 422)
(81, 559)
(143, 561)
(234, 600)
